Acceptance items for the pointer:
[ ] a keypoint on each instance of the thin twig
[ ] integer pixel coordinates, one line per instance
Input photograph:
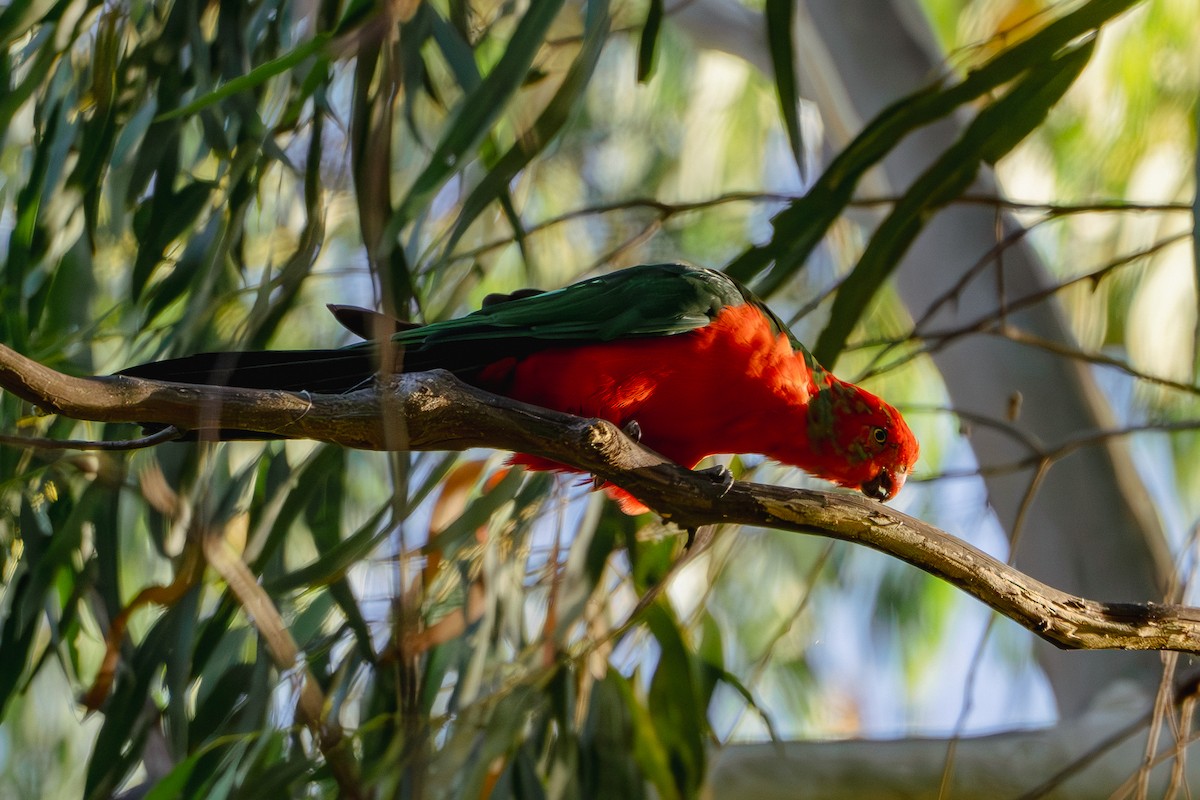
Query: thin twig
(665, 210)
(935, 341)
(167, 434)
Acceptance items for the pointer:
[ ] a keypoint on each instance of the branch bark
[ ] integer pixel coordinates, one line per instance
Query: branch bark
(435, 411)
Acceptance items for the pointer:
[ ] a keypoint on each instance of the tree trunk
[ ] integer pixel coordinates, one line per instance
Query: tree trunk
(1091, 528)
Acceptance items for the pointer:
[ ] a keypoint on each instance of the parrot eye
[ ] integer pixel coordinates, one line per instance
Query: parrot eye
(879, 435)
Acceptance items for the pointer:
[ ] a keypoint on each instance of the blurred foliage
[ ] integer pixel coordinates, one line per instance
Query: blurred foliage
(199, 175)
(1126, 129)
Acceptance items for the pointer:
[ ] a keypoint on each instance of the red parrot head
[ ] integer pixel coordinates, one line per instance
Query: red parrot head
(859, 441)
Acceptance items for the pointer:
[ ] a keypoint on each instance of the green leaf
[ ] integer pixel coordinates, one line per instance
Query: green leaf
(676, 708)
(477, 111)
(780, 15)
(13, 97)
(18, 16)
(456, 51)
(649, 750)
(224, 694)
(294, 484)
(252, 79)
(439, 662)
(189, 272)
(16, 642)
(545, 128)
(355, 14)
(118, 744)
(800, 227)
(171, 785)
(167, 216)
(520, 781)
(68, 294)
(476, 515)
(708, 662)
(26, 245)
(62, 538)
(275, 775)
(652, 562)
(336, 556)
(648, 41)
(608, 768)
(101, 129)
(500, 736)
(995, 131)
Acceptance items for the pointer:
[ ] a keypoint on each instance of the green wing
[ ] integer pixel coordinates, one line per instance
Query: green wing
(649, 300)
(645, 301)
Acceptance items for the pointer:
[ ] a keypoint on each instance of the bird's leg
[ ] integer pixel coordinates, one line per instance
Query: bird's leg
(720, 475)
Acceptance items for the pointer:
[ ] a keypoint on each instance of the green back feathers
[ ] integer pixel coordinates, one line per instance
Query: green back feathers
(648, 300)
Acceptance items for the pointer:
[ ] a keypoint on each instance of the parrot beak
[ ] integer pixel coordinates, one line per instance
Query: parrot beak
(883, 486)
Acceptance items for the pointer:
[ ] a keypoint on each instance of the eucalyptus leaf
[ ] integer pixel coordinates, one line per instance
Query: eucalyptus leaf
(996, 130)
(780, 16)
(800, 227)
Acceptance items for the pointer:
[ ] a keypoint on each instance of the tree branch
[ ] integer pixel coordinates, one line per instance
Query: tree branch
(435, 411)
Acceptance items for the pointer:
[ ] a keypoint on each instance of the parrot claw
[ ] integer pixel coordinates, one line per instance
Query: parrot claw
(719, 474)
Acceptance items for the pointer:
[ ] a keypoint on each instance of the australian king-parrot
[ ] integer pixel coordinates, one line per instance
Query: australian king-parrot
(685, 357)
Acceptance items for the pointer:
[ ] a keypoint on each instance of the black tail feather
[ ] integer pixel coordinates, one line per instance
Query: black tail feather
(368, 324)
(321, 371)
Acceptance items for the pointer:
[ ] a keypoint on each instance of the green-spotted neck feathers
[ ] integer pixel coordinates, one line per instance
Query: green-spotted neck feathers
(857, 439)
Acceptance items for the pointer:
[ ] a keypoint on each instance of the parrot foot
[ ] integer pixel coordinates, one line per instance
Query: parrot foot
(719, 474)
